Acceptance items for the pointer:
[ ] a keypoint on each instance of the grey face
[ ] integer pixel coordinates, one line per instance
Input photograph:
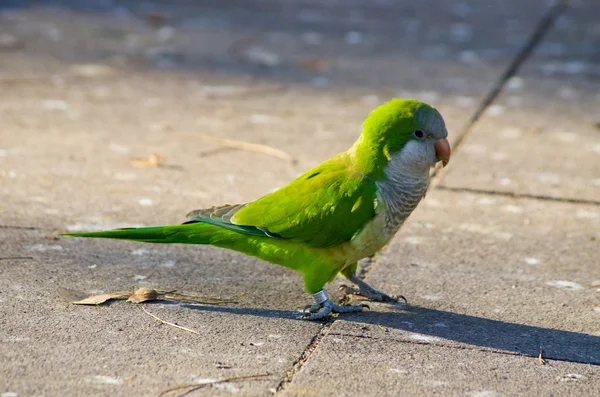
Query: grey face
(431, 122)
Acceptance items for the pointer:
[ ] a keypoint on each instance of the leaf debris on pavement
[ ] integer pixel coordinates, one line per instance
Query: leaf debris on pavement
(152, 161)
(141, 295)
(252, 147)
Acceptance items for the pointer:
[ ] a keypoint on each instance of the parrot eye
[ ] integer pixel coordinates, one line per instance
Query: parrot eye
(419, 134)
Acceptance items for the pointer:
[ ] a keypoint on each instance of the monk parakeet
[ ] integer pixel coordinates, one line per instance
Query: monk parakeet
(335, 214)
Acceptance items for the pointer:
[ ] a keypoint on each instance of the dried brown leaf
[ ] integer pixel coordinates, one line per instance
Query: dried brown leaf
(143, 295)
(101, 298)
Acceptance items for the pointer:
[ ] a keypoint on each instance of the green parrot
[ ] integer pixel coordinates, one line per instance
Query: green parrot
(335, 214)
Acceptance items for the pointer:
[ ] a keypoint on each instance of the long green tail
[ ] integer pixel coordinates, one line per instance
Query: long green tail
(297, 256)
(189, 233)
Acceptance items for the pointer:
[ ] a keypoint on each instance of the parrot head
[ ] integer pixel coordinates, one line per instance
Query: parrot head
(402, 130)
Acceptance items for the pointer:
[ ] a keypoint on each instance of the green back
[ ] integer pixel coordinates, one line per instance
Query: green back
(324, 207)
(332, 202)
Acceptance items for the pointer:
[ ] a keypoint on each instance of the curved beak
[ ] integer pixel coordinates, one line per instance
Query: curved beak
(442, 150)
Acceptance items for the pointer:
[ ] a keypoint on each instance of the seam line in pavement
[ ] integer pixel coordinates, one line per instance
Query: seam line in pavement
(21, 227)
(519, 195)
(546, 22)
(506, 353)
(312, 346)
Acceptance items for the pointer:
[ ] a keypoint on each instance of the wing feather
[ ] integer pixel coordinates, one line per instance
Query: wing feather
(324, 207)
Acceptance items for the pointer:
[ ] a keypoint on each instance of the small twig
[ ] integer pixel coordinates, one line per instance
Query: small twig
(211, 300)
(168, 323)
(252, 147)
(16, 257)
(196, 386)
(143, 294)
(541, 359)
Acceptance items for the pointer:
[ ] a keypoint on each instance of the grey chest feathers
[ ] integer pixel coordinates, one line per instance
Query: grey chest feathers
(400, 198)
(406, 183)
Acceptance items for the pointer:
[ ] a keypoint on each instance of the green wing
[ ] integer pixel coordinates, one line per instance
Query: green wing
(324, 207)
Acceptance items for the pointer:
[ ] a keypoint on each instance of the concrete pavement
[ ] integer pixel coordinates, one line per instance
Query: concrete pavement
(499, 260)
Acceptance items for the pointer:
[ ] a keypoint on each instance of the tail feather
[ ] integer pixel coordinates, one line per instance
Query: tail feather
(191, 233)
(275, 250)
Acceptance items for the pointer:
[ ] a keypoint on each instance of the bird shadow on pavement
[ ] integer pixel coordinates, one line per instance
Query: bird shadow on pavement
(444, 328)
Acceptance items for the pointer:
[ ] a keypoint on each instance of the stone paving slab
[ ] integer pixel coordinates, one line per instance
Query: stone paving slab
(542, 136)
(490, 280)
(543, 147)
(367, 52)
(95, 103)
(571, 46)
(346, 365)
(90, 90)
(499, 273)
(50, 347)
(276, 40)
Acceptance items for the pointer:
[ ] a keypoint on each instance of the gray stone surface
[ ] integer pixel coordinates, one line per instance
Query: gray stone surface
(49, 347)
(89, 89)
(375, 365)
(485, 275)
(528, 261)
(542, 137)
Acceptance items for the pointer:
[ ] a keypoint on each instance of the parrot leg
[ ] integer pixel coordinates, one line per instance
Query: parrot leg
(324, 307)
(369, 292)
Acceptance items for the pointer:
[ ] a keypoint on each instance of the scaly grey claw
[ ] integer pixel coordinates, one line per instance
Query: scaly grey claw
(312, 308)
(369, 292)
(324, 307)
(324, 311)
(398, 297)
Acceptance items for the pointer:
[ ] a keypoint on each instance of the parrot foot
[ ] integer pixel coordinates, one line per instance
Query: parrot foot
(324, 307)
(369, 292)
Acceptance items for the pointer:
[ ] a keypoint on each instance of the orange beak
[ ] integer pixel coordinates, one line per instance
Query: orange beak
(442, 150)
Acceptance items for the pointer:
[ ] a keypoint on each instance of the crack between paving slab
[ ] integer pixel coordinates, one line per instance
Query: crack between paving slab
(519, 195)
(539, 32)
(536, 37)
(480, 349)
(544, 25)
(21, 227)
(312, 346)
